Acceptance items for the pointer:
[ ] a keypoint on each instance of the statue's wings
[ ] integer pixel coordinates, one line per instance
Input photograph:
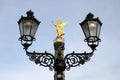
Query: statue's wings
(62, 24)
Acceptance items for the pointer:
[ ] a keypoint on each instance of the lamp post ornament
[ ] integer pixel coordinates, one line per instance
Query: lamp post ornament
(59, 25)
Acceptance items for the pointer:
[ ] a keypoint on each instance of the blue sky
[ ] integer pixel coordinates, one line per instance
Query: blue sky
(104, 65)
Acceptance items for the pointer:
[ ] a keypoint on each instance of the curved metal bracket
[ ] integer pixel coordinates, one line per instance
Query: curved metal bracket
(75, 59)
(45, 59)
(48, 60)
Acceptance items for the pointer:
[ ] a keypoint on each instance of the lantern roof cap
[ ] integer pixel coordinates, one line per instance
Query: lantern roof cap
(30, 16)
(90, 17)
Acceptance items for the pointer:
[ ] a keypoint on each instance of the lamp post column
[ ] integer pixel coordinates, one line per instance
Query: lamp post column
(59, 65)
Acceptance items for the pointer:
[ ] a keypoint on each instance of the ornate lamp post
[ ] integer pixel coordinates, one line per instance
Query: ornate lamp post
(58, 62)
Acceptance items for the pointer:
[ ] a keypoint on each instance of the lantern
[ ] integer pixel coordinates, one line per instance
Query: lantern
(28, 26)
(91, 28)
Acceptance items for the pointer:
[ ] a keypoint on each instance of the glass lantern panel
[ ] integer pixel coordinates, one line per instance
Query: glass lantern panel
(27, 25)
(34, 28)
(98, 29)
(21, 29)
(93, 28)
(85, 29)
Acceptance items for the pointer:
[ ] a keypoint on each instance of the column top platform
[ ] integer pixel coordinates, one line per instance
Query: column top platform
(59, 39)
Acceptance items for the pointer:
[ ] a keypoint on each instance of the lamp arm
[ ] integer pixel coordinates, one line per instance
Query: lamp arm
(75, 59)
(45, 59)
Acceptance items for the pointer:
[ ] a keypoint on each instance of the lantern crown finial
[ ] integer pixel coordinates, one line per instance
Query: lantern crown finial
(89, 16)
(30, 13)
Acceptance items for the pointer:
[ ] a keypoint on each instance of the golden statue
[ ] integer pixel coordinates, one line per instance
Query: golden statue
(59, 25)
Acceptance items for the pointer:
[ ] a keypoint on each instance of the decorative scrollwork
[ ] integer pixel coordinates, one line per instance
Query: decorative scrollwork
(75, 59)
(44, 59)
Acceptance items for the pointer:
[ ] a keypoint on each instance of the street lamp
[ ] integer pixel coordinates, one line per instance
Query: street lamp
(91, 28)
(58, 62)
(28, 27)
